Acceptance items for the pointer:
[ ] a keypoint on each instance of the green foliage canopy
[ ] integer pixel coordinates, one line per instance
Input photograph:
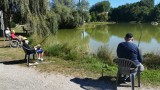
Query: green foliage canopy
(139, 11)
(99, 10)
(70, 14)
(35, 13)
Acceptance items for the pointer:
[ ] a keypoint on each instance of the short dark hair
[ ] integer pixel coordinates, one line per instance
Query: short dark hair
(129, 35)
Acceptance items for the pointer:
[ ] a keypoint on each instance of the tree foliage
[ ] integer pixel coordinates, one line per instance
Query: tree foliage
(155, 14)
(83, 8)
(99, 10)
(69, 13)
(139, 11)
(35, 13)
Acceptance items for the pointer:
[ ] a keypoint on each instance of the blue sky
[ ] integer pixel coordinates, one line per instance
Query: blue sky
(116, 3)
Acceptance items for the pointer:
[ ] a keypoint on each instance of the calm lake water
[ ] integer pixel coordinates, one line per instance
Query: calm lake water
(146, 36)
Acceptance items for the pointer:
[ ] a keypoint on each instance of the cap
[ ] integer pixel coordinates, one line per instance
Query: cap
(129, 35)
(24, 38)
(38, 45)
(13, 31)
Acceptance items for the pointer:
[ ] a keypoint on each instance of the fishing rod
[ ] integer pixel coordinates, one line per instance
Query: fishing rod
(45, 38)
(140, 38)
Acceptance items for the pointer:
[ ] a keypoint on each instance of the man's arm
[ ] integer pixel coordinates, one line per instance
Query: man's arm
(119, 51)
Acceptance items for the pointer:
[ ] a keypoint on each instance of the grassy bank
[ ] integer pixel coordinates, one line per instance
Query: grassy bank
(73, 58)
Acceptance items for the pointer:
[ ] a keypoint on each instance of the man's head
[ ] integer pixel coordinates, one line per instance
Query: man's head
(25, 40)
(13, 31)
(7, 28)
(129, 37)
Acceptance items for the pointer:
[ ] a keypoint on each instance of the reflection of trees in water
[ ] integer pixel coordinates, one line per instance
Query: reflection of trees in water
(72, 35)
(157, 36)
(67, 35)
(100, 33)
(145, 31)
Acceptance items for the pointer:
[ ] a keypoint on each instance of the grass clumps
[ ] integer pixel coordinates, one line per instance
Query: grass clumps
(151, 74)
(73, 50)
(152, 61)
(105, 54)
(64, 51)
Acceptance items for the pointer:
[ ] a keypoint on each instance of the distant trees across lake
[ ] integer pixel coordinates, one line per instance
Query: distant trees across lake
(142, 11)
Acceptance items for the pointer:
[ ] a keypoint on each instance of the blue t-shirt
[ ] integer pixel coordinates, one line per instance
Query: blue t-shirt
(130, 51)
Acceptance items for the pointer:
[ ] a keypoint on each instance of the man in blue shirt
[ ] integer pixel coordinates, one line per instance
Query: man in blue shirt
(130, 51)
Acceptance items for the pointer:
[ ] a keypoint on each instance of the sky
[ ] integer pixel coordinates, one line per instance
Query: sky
(116, 3)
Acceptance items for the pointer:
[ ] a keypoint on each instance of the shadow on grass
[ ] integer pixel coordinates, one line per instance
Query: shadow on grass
(103, 83)
(13, 62)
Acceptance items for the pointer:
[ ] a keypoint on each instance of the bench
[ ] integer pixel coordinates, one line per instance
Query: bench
(28, 52)
(28, 32)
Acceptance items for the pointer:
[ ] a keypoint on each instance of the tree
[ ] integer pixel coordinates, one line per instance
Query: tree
(139, 11)
(33, 12)
(66, 13)
(98, 8)
(156, 13)
(83, 8)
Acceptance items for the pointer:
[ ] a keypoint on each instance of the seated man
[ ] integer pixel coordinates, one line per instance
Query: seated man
(7, 33)
(130, 51)
(26, 46)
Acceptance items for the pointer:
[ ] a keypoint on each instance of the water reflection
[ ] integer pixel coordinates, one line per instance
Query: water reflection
(145, 34)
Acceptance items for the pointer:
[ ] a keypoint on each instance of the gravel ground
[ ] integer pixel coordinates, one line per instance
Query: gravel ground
(14, 77)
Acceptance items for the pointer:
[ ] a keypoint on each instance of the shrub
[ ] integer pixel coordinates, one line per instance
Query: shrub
(65, 51)
(105, 54)
(13, 24)
(152, 61)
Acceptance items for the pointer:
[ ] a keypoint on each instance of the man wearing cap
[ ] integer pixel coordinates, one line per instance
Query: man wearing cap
(130, 51)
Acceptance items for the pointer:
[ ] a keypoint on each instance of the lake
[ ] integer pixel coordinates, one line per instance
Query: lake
(146, 36)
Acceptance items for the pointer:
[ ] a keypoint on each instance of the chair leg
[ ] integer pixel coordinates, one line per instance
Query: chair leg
(25, 57)
(118, 78)
(33, 56)
(138, 76)
(132, 80)
(28, 57)
(102, 71)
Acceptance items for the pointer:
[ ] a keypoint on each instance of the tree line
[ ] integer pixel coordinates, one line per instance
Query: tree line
(142, 11)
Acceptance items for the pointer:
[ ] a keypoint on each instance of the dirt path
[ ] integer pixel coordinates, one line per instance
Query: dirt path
(14, 77)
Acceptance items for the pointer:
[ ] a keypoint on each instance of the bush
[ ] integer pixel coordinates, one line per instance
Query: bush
(152, 61)
(105, 54)
(13, 24)
(63, 51)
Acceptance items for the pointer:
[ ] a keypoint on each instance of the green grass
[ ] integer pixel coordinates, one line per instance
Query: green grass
(152, 60)
(151, 77)
(105, 54)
